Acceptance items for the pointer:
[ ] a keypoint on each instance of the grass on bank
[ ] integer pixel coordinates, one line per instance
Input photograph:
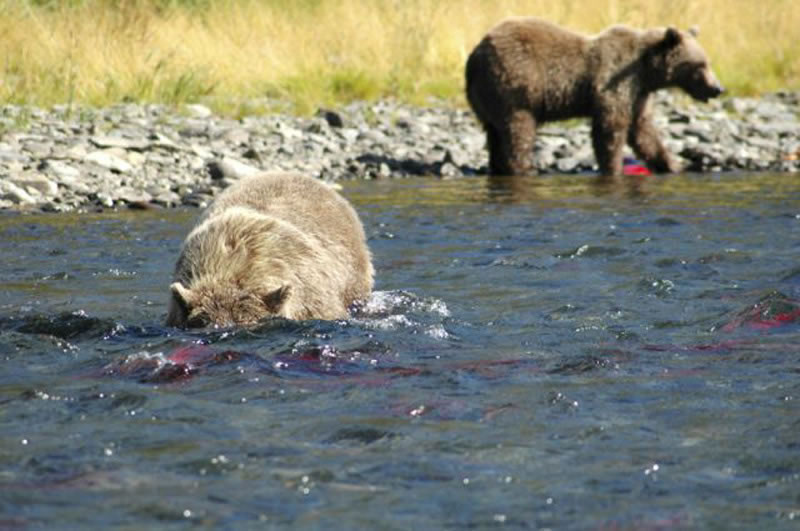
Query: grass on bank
(241, 56)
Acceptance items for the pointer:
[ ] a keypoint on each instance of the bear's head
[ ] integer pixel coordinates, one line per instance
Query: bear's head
(686, 65)
(214, 305)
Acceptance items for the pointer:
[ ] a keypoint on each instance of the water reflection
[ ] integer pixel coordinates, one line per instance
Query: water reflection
(527, 189)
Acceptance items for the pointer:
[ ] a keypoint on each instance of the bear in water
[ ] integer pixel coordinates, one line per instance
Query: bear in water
(271, 245)
(527, 71)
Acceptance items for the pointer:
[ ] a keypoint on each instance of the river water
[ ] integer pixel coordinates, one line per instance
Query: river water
(539, 353)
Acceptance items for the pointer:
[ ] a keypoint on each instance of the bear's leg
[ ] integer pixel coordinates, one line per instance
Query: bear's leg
(497, 153)
(511, 145)
(501, 150)
(522, 135)
(608, 139)
(646, 143)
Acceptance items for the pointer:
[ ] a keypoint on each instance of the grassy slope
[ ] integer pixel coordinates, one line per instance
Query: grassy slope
(229, 53)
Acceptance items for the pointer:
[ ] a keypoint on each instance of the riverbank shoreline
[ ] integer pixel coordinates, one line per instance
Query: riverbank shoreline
(152, 156)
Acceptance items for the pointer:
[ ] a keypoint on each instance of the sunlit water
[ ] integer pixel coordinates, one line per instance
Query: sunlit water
(540, 353)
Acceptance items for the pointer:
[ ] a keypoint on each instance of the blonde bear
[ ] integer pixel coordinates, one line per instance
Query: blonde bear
(272, 245)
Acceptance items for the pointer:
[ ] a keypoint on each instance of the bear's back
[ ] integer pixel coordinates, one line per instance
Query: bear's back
(537, 32)
(311, 206)
(529, 62)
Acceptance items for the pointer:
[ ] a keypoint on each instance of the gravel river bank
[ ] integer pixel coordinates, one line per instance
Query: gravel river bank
(150, 156)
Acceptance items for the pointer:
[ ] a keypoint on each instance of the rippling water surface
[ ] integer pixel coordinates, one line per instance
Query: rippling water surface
(539, 353)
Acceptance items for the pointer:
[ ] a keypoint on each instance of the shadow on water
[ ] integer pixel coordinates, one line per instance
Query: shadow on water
(539, 352)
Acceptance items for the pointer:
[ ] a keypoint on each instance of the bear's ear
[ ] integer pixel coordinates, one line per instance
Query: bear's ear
(694, 31)
(273, 300)
(182, 296)
(672, 37)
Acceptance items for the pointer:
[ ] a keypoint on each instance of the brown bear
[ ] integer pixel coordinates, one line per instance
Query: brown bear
(271, 245)
(527, 71)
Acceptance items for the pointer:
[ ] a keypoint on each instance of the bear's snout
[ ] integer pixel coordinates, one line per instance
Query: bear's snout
(715, 87)
(706, 87)
(710, 92)
(713, 91)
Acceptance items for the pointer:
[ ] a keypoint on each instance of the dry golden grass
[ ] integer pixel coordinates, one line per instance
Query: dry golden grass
(321, 52)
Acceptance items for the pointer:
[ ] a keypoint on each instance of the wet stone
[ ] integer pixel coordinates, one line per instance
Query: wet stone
(35, 181)
(130, 194)
(14, 194)
(197, 200)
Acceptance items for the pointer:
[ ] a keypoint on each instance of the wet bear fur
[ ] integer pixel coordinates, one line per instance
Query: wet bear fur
(271, 245)
(527, 71)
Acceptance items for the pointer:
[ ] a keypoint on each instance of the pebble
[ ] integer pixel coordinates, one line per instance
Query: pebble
(110, 160)
(150, 155)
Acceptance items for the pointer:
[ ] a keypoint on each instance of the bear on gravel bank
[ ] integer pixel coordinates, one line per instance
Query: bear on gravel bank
(271, 245)
(527, 71)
